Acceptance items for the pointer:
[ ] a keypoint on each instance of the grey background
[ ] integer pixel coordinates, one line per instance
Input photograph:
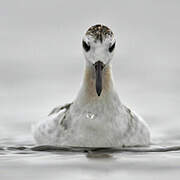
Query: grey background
(41, 63)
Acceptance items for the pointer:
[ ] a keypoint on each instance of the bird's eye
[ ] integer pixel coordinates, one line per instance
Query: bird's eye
(85, 46)
(111, 48)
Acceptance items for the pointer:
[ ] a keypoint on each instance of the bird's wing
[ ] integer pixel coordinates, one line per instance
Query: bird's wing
(59, 108)
(133, 115)
(130, 112)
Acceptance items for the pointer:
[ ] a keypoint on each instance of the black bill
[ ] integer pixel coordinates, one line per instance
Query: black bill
(98, 68)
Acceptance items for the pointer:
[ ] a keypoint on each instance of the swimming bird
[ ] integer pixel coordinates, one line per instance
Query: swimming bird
(97, 117)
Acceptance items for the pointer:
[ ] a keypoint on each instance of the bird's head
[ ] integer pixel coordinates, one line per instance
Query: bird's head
(98, 48)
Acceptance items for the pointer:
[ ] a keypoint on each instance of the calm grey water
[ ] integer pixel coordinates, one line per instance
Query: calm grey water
(41, 66)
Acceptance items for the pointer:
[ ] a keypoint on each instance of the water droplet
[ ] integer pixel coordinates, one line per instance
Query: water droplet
(90, 115)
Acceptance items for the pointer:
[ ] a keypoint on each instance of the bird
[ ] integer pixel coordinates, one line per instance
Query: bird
(96, 117)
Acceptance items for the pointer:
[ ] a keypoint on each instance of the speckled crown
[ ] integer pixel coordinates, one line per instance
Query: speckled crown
(99, 32)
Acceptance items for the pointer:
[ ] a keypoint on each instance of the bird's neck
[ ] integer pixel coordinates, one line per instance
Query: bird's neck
(88, 92)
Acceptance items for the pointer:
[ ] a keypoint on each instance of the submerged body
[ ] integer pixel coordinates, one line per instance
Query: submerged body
(96, 118)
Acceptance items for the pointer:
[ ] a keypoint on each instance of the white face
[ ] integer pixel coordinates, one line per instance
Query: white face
(95, 51)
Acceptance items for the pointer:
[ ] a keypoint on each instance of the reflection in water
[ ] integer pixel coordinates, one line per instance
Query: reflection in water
(78, 163)
(47, 148)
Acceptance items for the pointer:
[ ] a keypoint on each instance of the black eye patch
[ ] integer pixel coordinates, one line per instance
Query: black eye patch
(111, 48)
(85, 46)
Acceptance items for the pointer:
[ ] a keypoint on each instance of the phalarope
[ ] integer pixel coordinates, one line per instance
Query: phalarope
(96, 118)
